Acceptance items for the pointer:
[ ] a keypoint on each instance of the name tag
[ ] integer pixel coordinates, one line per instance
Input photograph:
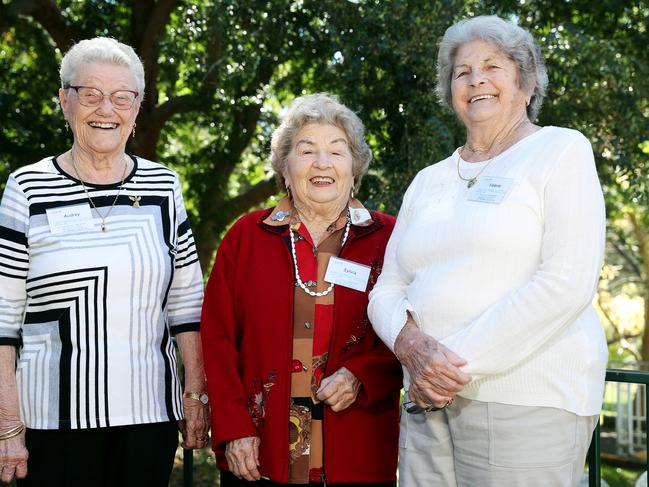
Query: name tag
(347, 273)
(490, 189)
(70, 219)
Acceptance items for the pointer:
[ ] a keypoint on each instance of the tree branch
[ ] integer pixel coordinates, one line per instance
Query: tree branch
(634, 266)
(179, 104)
(158, 19)
(257, 194)
(214, 51)
(643, 239)
(147, 38)
(46, 13)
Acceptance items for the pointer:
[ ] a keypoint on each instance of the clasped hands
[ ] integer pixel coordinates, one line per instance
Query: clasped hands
(435, 375)
(338, 391)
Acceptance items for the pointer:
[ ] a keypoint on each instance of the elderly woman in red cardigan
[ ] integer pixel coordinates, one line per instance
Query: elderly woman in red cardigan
(302, 390)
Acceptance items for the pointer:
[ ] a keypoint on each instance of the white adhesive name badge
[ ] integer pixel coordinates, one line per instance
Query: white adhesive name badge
(490, 189)
(347, 273)
(69, 219)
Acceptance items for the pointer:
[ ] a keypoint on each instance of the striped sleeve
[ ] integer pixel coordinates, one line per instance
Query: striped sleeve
(186, 293)
(14, 261)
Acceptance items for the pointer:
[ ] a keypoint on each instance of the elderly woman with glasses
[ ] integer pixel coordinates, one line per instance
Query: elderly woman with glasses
(98, 273)
(303, 391)
(486, 292)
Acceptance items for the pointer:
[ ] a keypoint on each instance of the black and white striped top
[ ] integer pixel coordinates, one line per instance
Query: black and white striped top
(93, 311)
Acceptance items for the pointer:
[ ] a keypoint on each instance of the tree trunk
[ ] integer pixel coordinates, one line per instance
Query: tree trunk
(643, 242)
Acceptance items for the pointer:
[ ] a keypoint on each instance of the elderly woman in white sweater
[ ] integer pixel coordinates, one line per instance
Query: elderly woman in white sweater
(488, 279)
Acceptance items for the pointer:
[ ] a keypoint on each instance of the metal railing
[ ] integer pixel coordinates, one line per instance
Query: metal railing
(188, 468)
(594, 452)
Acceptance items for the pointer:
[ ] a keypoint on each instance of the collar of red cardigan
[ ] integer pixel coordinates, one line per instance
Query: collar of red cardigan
(277, 219)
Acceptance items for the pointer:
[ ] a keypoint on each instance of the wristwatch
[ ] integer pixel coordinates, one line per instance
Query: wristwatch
(197, 396)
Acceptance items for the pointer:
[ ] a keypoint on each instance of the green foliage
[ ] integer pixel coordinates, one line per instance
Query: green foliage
(618, 477)
(383, 66)
(219, 72)
(29, 114)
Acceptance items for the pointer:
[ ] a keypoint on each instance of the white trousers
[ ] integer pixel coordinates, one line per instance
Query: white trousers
(480, 444)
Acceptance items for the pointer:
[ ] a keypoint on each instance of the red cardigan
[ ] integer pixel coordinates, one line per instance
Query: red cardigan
(246, 330)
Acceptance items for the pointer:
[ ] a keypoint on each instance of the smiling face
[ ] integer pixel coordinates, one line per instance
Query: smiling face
(319, 169)
(101, 130)
(485, 85)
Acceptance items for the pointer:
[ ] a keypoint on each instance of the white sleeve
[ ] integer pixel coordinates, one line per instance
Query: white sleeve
(14, 261)
(564, 283)
(388, 302)
(186, 292)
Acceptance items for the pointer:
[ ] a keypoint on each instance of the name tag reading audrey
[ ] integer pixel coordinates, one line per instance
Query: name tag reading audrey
(490, 189)
(347, 273)
(70, 219)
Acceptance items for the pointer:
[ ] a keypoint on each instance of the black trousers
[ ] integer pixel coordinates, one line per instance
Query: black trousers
(119, 456)
(229, 480)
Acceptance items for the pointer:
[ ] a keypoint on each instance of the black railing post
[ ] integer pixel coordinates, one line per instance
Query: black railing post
(188, 468)
(594, 471)
(646, 427)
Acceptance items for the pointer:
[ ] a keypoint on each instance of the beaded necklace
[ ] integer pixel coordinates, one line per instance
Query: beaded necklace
(297, 272)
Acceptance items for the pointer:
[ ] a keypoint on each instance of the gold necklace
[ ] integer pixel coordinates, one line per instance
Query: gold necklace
(470, 182)
(85, 190)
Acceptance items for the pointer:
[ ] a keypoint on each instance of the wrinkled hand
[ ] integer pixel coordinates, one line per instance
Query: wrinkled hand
(196, 425)
(243, 457)
(13, 458)
(435, 377)
(339, 390)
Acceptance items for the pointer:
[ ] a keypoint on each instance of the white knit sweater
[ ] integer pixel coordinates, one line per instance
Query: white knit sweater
(507, 286)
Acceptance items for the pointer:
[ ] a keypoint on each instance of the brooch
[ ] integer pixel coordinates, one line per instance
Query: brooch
(135, 200)
(280, 215)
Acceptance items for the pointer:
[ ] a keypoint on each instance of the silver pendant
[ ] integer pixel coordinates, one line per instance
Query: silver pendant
(103, 227)
(280, 215)
(135, 200)
(471, 183)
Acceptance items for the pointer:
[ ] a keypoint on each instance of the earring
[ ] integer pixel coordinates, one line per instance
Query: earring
(351, 195)
(134, 125)
(288, 192)
(67, 126)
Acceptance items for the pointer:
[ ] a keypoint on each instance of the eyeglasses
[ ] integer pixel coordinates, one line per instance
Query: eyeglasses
(412, 408)
(92, 97)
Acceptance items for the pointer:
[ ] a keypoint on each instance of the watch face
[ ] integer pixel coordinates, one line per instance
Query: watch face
(203, 398)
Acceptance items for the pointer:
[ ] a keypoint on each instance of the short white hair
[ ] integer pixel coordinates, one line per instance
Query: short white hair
(514, 41)
(101, 50)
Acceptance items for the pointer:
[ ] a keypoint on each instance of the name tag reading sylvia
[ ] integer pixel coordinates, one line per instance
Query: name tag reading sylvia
(347, 273)
(70, 219)
(490, 189)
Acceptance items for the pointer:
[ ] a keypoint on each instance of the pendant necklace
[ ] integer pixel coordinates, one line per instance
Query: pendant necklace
(471, 181)
(92, 203)
(297, 272)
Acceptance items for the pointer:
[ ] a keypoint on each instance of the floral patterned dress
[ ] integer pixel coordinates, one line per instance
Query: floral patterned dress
(312, 329)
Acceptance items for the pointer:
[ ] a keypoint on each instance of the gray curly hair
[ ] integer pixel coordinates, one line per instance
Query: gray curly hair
(514, 41)
(320, 108)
